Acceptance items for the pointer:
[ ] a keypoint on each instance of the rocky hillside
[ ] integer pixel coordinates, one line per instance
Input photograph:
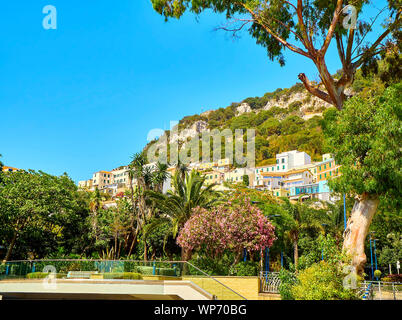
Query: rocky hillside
(285, 119)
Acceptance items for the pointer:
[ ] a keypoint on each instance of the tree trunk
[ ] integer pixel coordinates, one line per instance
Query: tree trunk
(357, 228)
(145, 251)
(296, 253)
(11, 247)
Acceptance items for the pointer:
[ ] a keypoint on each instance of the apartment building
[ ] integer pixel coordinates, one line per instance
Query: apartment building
(213, 176)
(285, 161)
(326, 169)
(237, 175)
(222, 165)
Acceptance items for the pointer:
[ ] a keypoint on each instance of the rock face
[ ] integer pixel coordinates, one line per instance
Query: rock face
(310, 104)
(183, 135)
(243, 108)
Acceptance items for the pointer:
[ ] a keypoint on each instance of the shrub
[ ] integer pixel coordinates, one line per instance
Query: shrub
(321, 281)
(158, 271)
(377, 274)
(145, 270)
(245, 268)
(211, 266)
(288, 280)
(42, 275)
(2, 268)
(393, 278)
(166, 272)
(122, 275)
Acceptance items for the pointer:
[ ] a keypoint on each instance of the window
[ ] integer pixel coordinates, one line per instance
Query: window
(283, 167)
(320, 176)
(325, 166)
(283, 160)
(330, 173)
(330, 164)
(319, 168)
(277, 168)
(277, 160)
(325, 175)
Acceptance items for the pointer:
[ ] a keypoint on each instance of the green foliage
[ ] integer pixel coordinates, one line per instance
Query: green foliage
(213, 266)
(148, 271)
(377, 273)
(245, 268)
(392, 251)
(393, 278)
(122, 275)
(42, 212)
(288, 280)
(365, 139)
(42, 275)
(246, 180)
(321, 281)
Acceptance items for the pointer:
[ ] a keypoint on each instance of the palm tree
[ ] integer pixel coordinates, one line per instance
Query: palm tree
(95, 204)
(182, 168)
(334, 220)
(301, 217)
(159, 176)
(176, 207)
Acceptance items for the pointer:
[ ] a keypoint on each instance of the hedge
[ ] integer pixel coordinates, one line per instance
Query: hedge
(122, 275)
(42, 275)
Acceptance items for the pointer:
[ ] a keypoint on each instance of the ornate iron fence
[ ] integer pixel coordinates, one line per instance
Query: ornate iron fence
(269, 282)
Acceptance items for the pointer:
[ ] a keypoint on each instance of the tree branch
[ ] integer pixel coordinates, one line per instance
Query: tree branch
(309, 45)
(331, 29)
(273, 34)
(313, 90)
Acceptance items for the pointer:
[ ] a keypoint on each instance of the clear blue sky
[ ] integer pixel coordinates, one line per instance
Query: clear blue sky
(83, 97)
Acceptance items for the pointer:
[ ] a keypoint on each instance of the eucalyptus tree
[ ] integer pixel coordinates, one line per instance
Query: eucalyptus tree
(366, 139)
(308, 28)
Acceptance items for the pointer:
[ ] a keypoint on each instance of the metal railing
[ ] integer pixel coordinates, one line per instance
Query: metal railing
(269, 282)
(381, 290)
(117, 269)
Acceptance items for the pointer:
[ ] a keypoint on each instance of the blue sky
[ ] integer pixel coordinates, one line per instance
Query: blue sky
(83, 97)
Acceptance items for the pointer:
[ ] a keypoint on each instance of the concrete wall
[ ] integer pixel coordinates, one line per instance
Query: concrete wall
(248, 287)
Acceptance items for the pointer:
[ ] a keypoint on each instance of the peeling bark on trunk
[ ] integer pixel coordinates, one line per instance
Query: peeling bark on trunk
(357, 228)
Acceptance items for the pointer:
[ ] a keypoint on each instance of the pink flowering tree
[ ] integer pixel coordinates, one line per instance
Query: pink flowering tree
(227, 227)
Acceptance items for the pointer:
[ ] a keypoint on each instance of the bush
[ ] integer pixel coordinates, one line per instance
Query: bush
(288, 280)
(145, 270)
(321, 281)
(166, 272)
(213, 267)
(149, 271)
(393, 278)
(122, 275)
(377, 274)
(245, 268)
(42, 275)
(2, 268)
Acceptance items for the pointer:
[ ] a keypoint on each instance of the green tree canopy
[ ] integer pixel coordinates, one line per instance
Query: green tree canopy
(366, 139)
